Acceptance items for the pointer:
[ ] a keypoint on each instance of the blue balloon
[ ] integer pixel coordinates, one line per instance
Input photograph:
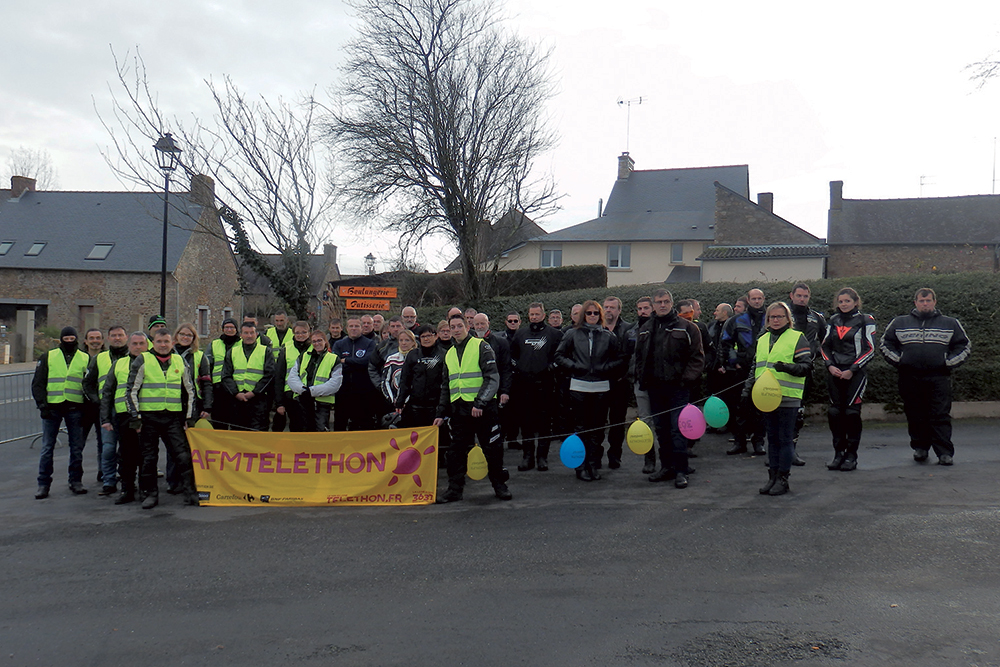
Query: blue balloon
(572, 452)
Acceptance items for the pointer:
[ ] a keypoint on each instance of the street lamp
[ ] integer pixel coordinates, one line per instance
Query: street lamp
(370, 264)
(167, 156)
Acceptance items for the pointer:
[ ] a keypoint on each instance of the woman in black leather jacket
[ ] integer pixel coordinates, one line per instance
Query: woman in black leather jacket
(590, 355)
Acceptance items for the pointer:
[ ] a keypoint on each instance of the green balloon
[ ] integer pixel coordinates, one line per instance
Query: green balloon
(716, 412)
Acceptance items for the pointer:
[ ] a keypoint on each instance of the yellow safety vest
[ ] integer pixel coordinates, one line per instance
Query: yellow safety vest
(121, 370)
(159, 390)
(782, 350)
(289, 342)
(322, 373)
(465, 379)
(218, 358)
(103, 366)
(247, 373)
(290, 362)
(66, 383)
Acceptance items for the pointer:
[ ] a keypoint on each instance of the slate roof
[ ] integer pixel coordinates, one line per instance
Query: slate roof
(660, 205)
(257, 284)
(973, 219)
(763, 252)
(71, 223)
(684, 274)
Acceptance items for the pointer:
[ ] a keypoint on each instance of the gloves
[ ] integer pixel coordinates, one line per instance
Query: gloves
(782, 367)
(47, 413)
(191, 422)
(305, 392)
(135, 423)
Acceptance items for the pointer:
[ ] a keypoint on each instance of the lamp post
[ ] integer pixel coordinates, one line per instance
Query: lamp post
(167, 156)
(370, 264)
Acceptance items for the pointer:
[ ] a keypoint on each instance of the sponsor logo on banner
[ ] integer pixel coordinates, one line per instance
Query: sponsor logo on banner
(352, 468)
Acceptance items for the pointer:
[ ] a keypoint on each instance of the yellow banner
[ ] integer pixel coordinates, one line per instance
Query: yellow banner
(391, 467)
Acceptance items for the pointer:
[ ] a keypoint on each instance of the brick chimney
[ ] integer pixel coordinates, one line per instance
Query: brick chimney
(21, 184)
(329, 254)
(203, 190)
(625, 166)
(766, 201)
(836, 195)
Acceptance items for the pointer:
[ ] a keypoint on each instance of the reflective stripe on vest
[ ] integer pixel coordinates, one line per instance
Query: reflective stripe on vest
(292, 354)
(66, 383)
(248, 372)
(465, 379)
(121, 369)
(322, 373)
(103, 366)
(782, 350)
(197, 356)
(218, 358)
(289, 342)
(159, 390)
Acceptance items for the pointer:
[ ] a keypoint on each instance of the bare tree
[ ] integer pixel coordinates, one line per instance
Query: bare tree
(271, 186)
(441, 121)
(984, 70)
(33, 163)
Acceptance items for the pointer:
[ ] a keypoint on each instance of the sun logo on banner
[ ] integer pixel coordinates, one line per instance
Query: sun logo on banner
(409, 460)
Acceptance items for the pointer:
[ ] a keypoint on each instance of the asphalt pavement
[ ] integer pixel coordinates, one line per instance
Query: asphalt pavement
(895, 563)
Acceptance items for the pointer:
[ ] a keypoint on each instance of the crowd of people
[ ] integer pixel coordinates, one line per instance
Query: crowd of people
(523, 386)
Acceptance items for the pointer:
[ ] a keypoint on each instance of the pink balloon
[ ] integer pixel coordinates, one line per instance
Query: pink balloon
(691, 422)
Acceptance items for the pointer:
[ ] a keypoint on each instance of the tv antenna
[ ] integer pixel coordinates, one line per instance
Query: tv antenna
(628, 115)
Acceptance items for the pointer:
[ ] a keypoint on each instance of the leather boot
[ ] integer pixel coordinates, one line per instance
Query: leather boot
(836, 461)
(772, 476)
(780, 485)
(528, 459)
(758, 449)
(796, 459)
(583, 474)
(542, 457)
(850, 462)
(649, 462)
(737, 448)
(594, 475)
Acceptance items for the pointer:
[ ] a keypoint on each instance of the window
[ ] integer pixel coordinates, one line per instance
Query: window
(100, 250)
(676, 253)
(5, 247)
(35, 249)
(551, 257)
(227, 314)
(619, 256)
(203, 321)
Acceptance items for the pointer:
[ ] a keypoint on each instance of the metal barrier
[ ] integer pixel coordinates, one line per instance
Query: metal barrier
(18, 414)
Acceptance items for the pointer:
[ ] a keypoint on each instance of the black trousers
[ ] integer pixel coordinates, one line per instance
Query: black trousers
(618, 400)
(666, 401)
(589, 410)
(355, 411)
(222, 408)
(844, 413)
(129, 452)
(251, 415)
(927, 404)
(169, 426)
(536, 419)
(316, 414)
(465, 430)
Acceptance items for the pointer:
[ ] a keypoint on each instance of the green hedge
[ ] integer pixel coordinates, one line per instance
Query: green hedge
(974, 298)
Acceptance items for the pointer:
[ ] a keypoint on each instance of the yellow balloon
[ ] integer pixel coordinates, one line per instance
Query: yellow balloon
(204, 423)
(476, 467)
(766, 392)
(640, 438)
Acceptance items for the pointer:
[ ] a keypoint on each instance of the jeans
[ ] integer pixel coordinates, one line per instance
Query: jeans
(666, 402)
(780, 437)
(74, 429)
(109, 456)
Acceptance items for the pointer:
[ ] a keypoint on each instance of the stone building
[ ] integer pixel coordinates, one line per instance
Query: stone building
(259, 296)
(93, 259)
(923, 235)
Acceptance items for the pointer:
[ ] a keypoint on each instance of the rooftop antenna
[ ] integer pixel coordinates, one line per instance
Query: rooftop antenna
(923, 183)
(628, 116)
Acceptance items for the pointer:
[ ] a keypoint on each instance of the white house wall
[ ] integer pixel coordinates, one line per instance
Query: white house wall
(768, 270)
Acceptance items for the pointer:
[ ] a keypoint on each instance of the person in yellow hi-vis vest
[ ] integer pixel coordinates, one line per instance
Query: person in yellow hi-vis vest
(469, 401)
(222, 401)
(57, 388)
(161, 400)
(314, 378)
(785, 352)
(93, 385)
(115, 417)
(248, 376)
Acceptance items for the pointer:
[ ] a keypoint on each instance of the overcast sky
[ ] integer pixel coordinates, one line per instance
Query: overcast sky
(871, 93)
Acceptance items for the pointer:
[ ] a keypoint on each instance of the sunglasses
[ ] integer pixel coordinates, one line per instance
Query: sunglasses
(513, 321)
(593, 312)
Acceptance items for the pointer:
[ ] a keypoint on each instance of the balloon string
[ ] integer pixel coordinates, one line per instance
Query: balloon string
(563, 436)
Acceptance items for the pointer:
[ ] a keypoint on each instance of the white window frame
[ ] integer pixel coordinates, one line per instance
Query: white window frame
(615, 256)
(673, 246)
(553, 251)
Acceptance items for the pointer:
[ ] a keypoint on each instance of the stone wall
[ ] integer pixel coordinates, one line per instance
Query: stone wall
(875, 260)
(738, 221)
(207, 276)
